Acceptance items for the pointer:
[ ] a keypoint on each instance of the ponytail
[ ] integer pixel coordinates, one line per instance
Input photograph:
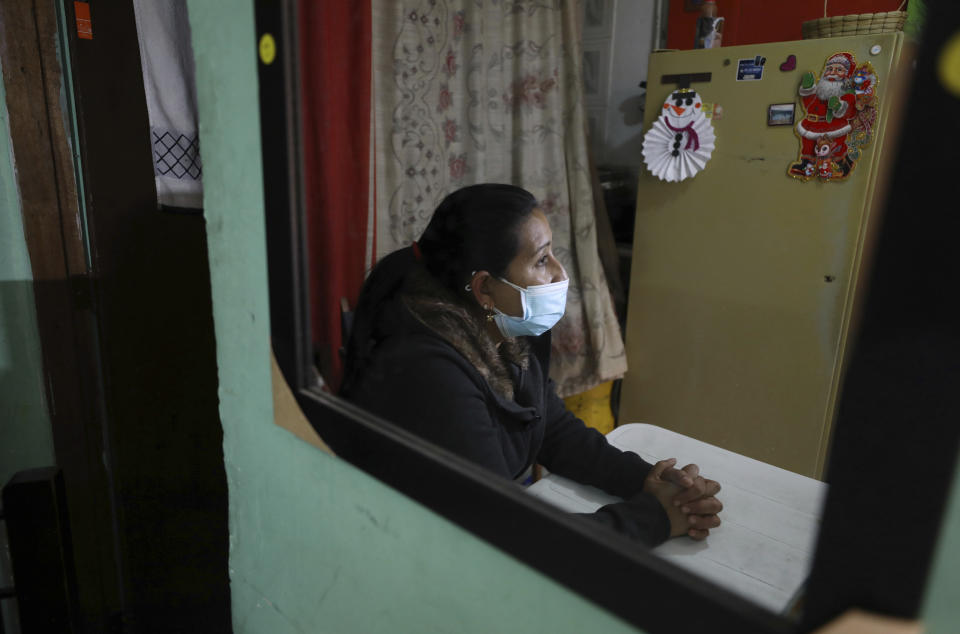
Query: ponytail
(380, 287)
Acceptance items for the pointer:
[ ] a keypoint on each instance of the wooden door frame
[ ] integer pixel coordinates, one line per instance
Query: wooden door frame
(41, 140)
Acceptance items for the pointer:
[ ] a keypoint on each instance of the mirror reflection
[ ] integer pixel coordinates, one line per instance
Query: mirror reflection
(491, 274)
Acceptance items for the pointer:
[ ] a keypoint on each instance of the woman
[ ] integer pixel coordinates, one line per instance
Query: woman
(451, 341)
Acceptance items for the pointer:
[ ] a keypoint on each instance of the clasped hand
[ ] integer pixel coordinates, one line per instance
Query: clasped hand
(688, 498)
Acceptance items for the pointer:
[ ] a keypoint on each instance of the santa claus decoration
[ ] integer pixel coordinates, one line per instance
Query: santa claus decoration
(679, 143)
(839, 113)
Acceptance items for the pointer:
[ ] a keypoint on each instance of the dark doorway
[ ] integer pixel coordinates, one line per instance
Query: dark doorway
(125, 318)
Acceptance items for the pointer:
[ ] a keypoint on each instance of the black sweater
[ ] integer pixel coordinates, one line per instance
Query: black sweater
(419, 381)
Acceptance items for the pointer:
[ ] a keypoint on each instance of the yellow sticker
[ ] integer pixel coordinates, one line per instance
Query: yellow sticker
(268, 49)
(948, 66)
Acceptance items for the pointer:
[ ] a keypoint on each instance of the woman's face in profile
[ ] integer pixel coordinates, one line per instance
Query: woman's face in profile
(533, 265)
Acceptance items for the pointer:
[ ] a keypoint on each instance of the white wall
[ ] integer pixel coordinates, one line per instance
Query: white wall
(633, 27)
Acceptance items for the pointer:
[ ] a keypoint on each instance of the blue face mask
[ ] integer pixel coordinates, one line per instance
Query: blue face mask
(543, 306)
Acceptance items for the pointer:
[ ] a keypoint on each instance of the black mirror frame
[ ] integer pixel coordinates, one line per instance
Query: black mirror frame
(606, 568)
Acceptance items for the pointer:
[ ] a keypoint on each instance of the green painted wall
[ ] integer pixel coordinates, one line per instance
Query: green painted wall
(317, 546)
(941, 609)
(26, 438)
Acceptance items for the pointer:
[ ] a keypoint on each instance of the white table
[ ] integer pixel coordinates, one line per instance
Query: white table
(771, 517)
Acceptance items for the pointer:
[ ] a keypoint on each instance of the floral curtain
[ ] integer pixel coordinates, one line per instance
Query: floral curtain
(470, 91)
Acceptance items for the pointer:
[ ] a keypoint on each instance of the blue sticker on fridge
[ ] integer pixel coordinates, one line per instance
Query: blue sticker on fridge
(751, 69)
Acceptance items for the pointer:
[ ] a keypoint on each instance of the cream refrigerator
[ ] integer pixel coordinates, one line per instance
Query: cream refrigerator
(743, 278)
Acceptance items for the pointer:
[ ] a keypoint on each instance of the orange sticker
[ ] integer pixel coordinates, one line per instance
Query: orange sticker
(84, 26)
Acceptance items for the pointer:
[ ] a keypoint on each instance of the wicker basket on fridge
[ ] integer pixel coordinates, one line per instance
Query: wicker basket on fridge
(856, 24)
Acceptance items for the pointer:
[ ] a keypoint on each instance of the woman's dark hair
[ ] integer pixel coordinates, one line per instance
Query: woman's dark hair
(472, 229)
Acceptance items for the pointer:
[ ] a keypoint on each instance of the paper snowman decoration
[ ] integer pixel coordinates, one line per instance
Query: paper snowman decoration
(680, 141)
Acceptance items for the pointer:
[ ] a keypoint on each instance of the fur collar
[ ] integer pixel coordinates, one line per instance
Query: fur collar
(435, 307)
